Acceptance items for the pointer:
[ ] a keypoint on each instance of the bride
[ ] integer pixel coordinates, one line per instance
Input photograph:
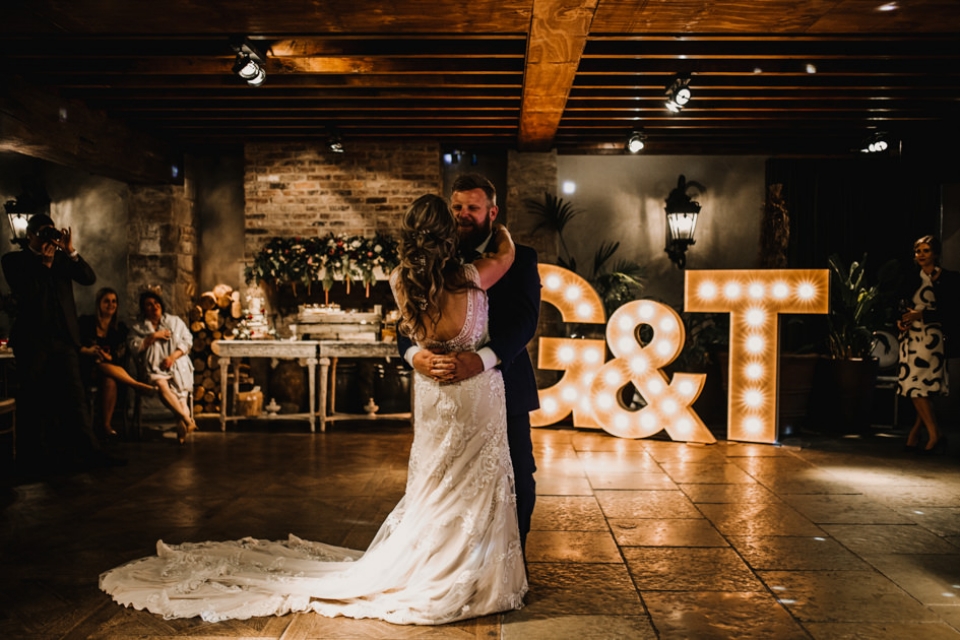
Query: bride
(450, 549)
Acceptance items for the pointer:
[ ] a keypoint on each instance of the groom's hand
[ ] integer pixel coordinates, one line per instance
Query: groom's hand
(448, 367)
(466, 364)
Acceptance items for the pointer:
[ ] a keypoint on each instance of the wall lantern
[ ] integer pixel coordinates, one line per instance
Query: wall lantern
(682, 213)
(18, 222)
(19, 210)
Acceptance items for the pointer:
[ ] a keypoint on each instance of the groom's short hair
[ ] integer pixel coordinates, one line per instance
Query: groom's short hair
(471, 181)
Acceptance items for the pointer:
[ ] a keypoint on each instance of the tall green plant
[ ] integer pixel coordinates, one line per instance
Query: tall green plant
(554, 216)
(857, 311)
(618, 283)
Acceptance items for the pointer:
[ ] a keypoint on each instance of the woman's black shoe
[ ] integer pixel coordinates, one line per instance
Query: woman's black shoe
(938, 448)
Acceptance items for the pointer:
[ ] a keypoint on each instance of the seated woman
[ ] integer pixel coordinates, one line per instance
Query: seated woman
(161, 341)
(104, 351)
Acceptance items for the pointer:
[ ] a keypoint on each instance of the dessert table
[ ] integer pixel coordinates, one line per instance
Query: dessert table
(231, 351)
(309, 353)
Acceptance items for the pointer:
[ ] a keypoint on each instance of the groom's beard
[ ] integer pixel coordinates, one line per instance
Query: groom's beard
(473, 235)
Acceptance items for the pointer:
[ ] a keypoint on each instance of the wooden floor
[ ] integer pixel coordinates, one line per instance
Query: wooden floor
(826, 538)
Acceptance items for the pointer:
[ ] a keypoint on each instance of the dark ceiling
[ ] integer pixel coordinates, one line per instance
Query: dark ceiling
(769, 77)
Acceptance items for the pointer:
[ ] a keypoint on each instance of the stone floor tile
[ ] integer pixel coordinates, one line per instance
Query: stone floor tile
(651, 481)
(559, 589)
(787, 465)
(555, 436)
(572, 546)
(950, 614)
(893, 538)
(728, 493)
(617, 462)
(555, 484)
(603, 441)
(561, 466)
(844, 596)
(796, 553)
(916, 496)
(689, 569)
(568, 513)
(561, 627)
(706, 472)
(673, 532)
(881, 631)
(720, 616)
(759, 519)
(844, 509)
(311, 626)
(811, 484)
(943, 521)
(665, 451)
(751, 450)
(646, 504)
(931, 579)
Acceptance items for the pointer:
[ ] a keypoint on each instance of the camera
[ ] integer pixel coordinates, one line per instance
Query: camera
(49, 234)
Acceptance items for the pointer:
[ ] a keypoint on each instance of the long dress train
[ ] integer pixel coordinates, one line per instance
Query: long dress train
(449, 550)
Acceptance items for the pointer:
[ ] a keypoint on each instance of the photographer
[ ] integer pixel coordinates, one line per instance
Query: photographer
(54, 424)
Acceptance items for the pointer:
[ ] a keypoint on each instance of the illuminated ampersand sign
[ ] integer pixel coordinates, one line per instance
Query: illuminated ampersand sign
(577, 301)
(669, 402)
(754, 300)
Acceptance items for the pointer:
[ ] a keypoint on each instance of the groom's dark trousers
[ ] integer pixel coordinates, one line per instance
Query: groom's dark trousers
(514, 313)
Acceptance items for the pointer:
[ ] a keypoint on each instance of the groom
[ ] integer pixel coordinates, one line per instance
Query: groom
(514, 312)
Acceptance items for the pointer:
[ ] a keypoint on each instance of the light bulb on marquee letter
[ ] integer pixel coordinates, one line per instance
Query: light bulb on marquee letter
(754, 328)
(669, 402)
(579, 360)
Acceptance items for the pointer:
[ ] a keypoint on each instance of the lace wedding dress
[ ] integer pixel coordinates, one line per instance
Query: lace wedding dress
(449, 550)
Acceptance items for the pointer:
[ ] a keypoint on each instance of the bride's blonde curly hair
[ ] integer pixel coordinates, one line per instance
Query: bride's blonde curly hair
(429, 263)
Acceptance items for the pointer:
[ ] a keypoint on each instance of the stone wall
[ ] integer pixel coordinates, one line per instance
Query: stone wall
(307, 190)
(162, 248)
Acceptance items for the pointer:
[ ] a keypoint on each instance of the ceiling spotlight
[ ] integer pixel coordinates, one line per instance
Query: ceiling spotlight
(249, 63)
(876, 143)
(678, 92)
(636, 142)
(335, 142)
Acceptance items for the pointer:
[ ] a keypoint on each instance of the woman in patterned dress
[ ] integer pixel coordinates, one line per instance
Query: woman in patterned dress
(931, 312)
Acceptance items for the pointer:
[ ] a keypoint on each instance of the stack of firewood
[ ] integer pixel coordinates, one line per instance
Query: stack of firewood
(215, 317)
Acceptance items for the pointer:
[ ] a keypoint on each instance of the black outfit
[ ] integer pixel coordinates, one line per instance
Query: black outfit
(514, 314)
(114, 343)
(54, 425)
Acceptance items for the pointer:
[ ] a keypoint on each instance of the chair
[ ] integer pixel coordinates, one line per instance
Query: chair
(888, 358)
(9, 406)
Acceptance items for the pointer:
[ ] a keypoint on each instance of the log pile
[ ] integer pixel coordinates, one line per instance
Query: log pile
(214, 317)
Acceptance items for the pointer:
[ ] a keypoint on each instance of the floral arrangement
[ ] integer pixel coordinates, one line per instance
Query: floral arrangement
(323, 259)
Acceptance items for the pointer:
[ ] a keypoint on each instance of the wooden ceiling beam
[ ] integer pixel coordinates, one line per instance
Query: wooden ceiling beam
(41, 124)
(558, 33)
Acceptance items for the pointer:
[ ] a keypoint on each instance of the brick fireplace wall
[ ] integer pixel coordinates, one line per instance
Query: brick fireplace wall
(307, 190)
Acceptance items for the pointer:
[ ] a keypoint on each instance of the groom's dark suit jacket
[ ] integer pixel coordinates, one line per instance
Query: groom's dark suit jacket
(514, 311)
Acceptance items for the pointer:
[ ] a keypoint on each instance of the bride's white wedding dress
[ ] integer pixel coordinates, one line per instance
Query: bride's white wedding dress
(449, 550)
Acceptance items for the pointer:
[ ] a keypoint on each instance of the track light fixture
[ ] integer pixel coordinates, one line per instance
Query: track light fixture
(636, 142)
(876, 143)
(334, 141)
(678, 92)
(249, 63)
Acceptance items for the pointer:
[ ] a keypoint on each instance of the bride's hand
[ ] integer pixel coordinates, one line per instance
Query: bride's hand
(435, 365)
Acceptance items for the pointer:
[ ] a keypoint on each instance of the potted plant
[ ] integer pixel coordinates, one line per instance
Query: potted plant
(616, 282)
(858, 311)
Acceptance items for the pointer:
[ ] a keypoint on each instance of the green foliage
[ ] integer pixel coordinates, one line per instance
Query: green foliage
(857, 310)
(322, 259)
(617, 284)
(706, 334)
